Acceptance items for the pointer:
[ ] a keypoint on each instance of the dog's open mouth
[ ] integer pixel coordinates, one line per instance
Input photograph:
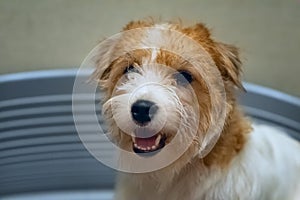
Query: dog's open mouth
(150, 144)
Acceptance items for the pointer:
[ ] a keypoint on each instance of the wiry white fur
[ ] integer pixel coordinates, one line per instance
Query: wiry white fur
(267, 169)
(154, 55)
(156, 37)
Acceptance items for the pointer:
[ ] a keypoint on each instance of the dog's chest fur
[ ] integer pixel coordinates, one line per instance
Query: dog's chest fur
(266, 168)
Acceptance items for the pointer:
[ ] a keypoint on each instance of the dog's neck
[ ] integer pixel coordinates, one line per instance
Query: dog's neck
(231, 141)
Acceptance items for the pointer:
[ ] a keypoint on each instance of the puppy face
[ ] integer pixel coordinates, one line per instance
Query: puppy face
(150, 101)
(161, 92)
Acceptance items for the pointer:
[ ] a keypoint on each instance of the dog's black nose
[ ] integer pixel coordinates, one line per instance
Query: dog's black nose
(142, 111)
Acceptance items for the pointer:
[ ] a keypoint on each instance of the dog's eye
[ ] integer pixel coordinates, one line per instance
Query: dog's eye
(130, 69)
(183, 77)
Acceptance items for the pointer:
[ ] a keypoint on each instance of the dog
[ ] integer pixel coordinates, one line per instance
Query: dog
(170, 105)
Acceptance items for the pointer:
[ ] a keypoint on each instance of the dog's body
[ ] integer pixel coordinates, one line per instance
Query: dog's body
(165, 95)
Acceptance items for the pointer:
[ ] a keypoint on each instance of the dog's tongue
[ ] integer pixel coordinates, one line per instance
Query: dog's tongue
(146, 142)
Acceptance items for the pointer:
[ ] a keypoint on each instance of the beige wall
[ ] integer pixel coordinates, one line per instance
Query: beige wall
(44, 34)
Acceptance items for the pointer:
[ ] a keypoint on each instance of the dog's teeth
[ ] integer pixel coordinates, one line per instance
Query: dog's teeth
(157, 140)
(149, 148)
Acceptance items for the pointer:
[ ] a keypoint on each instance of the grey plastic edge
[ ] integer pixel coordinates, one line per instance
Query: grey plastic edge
(262, 90)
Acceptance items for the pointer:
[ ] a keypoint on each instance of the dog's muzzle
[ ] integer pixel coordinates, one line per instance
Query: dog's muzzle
(145, 141)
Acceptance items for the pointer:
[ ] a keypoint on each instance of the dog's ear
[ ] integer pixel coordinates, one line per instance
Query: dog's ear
(104, 55)
(102, 59)
(230, 63)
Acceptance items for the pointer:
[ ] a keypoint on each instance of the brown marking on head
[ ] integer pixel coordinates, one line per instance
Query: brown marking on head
(139, 24)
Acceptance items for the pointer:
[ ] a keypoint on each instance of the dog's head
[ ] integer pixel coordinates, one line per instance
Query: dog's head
(165, 81)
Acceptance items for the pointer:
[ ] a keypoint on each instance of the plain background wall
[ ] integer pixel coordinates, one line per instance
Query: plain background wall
(48, 34)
